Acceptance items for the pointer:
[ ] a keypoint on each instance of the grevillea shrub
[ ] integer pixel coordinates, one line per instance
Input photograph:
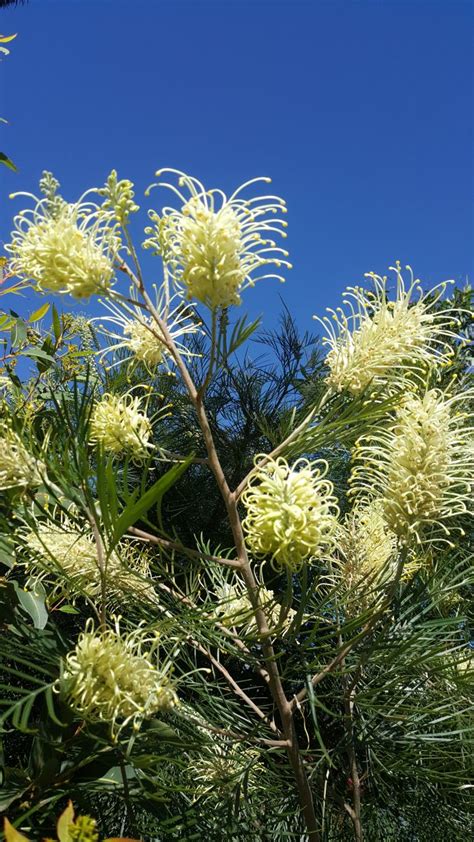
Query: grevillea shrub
(236, 562)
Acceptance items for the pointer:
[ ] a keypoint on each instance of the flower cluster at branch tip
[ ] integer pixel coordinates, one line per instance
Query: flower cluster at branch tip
(387, 343)
(63, 247)
(61, 552)
(116, 679)
(118, 198)
(18, 468)
(422, 467)
(120, 426)
(235, 609)
(368, 547)
(142, 337)
(291, 511)
(213, 245)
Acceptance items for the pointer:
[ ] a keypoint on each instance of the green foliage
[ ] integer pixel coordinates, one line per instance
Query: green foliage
(375, 667)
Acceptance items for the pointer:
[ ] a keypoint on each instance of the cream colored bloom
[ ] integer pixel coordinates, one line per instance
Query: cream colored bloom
(63, 247)
(141, 336)
(422, 466)
(383, 342)
(367, 546)
(116, 679)
(67, 557)
(222, 766)
(120, 426)
(214, 245)
(18, 468)
(291, 511)
(235, 609)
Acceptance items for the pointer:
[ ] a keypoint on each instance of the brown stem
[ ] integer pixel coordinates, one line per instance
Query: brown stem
(352, 757)
(174, 545)
(230, 500)
(236, 687)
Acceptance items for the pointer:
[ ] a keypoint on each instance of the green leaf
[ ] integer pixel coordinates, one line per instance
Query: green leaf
(4, 159)
(68, 609)
(33, 602)
(19, 332)
(37, 353)
(56, 324)
(136, 510)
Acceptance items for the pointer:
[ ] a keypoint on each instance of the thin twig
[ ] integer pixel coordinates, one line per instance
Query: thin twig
(174, 545)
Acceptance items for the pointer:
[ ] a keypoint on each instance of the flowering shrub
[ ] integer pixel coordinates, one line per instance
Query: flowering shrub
(283, 538)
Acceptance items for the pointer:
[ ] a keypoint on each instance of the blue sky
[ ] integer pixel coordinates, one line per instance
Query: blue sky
(362, 113)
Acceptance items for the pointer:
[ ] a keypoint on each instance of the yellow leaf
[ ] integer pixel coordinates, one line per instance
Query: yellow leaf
(38, 314)
(11, 834)
(64, 822)
(4, 39)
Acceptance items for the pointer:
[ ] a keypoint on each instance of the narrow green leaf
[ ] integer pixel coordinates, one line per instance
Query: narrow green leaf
(4, 159)
(136, 510)
(56, 324)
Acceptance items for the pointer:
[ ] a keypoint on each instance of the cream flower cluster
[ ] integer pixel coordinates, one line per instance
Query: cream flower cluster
(422, 466)
(214, 244)
(113, 678)
(291, 511)
(368, 547)
(63, 247)
(18, 468)
(66, 555)
(142, 337)
(220, 768)
(120, 426)
(235, 609)
(383, 342)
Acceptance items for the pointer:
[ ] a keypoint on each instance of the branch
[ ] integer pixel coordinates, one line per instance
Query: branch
(174, 545)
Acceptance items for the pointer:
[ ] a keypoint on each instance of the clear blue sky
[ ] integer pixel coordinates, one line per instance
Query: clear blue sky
(362, 112)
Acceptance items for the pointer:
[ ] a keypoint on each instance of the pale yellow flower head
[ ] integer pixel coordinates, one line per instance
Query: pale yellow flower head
(120, 426)
(291, 511)
(63, 247)
(116, 679)
(66, 557)
(384, 342)
(18, 468)
(141, 336)
(235, 609)
(367, 546)
(222, 766)
(214, 245)
(422, 467)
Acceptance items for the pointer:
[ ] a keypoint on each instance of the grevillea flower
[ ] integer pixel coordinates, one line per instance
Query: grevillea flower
(63, 247)
(222, 766)
(141, 336)
(117, 679)
(67, 557)
(291, 511)
(368, 548)
(383, 342)
(214, 245)
(120, 426)
(18, 468)
(422, 466)
(235, 609)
